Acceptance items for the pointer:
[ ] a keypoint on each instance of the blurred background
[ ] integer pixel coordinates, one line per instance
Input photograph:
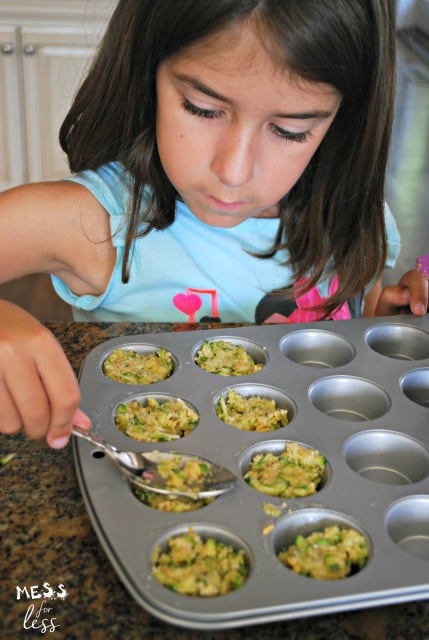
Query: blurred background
(408, 171)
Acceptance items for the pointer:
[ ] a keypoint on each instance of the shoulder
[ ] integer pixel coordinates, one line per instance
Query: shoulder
(110, 185)
(59, 208)
(46, 210)
(60, 228)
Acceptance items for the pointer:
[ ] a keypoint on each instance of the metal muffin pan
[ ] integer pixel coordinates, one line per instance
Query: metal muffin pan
(356, 390)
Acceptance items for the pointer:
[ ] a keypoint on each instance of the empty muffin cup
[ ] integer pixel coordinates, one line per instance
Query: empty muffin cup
(349, 398)
(415, 385)
(398, 341)
(317, 348)
(387, 457)
(407, 522)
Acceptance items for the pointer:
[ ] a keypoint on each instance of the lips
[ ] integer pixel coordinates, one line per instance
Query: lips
(226, 206)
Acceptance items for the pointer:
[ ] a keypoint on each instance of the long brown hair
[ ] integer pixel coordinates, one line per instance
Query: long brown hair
(334, 213)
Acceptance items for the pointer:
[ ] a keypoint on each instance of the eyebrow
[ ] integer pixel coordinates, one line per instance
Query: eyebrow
(317, 114)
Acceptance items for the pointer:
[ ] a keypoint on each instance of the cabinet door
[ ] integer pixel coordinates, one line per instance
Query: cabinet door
(54, 62)
(12, 157)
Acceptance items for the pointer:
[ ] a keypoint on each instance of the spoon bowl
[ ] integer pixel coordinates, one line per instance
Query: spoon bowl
(148, 470)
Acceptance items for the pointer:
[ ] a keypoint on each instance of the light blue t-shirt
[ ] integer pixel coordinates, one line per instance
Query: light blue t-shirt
(188, 272)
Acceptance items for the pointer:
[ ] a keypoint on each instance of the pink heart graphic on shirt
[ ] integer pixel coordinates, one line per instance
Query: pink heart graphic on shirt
(187, 303)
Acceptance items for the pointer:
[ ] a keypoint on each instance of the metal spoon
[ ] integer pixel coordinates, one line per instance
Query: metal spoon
(142, 469)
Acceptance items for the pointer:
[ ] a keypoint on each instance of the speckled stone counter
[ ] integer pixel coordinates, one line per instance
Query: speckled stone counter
(46, 537)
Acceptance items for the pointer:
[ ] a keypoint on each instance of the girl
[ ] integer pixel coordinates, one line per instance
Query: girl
(229, 158)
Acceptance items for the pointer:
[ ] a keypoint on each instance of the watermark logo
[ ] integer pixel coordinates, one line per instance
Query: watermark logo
(40, 615)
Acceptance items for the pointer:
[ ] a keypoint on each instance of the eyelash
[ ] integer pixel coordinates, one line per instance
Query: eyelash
(289, 135)
(201, 113)
(210, 114)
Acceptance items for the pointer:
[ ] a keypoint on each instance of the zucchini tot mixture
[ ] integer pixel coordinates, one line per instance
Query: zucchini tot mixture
(170, 504)
(251, 413)
(132, 367)
(155, 421)
(294, 473)
(191, 476)
(194, 566)
(330, 554)
(226, 359)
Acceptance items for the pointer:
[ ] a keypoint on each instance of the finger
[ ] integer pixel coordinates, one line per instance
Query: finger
(62, 389)
(393, 298)
(63, 408)
(10, 419)
(80, 419)
(28, 396)
(417, 286)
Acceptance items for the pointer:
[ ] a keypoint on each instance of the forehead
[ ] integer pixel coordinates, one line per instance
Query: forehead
(244, 50)
(236, 48)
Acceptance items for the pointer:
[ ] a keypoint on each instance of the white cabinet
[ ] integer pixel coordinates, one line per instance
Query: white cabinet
(11, 139)
(44, 52)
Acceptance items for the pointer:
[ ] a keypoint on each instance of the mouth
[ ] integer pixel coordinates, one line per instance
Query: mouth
(223, 205)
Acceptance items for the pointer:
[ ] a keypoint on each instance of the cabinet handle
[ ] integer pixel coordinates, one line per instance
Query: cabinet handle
(30, 49)
(7, 48)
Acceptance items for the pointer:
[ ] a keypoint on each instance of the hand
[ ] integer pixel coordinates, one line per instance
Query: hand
(38, 389)
(410, 295)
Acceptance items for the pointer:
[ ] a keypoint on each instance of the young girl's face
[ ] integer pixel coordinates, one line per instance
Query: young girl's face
(234, 131)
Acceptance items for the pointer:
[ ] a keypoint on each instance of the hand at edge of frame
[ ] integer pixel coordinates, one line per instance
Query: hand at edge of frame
(410, 295)
(39, 392)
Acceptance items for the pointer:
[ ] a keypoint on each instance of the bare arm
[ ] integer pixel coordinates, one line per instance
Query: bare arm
(46, 228)
(56, 228)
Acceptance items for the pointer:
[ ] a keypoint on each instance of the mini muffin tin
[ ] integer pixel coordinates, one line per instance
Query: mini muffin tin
(358, 391)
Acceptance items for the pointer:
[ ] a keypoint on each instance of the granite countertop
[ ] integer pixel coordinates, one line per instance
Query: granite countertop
(46, 537)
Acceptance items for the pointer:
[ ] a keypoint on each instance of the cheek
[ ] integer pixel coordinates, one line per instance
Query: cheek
(282, 174)
(178, 158)
(184, 157)
(170, 142)
(173, 135)
(171, 164)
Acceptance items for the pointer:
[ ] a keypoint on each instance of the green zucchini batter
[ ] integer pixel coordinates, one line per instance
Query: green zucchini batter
(132, 367)
(189, 476)
(330, 554)
(226, 359)
(155, 421)
(294, 473)
(194, 566)
(251, 413)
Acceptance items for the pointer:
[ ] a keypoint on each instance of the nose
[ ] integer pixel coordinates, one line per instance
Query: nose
(234, 159)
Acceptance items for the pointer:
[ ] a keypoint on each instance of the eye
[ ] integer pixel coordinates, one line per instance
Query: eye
(210, 114)
(290, 135)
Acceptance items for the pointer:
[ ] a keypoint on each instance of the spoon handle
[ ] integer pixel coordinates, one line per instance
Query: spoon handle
(93, 438)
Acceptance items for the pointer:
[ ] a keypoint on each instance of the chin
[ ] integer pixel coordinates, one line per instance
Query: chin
(222, 221)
